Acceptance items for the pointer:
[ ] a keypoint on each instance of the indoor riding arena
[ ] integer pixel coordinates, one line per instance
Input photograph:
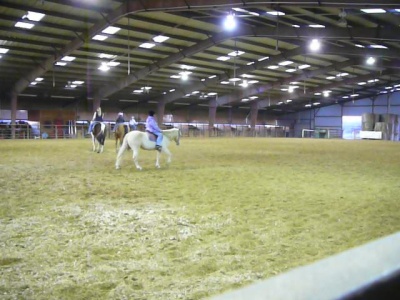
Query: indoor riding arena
(280, 181)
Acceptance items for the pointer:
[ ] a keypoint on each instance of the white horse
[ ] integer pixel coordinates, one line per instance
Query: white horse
(138, 139)
(98, 137)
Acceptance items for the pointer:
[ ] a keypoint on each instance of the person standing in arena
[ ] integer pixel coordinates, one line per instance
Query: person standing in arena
(132, 123)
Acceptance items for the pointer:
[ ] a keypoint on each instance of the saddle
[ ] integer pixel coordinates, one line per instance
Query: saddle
(152, 137)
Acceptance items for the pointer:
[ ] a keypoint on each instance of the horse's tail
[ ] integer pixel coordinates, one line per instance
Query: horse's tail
(121, 151)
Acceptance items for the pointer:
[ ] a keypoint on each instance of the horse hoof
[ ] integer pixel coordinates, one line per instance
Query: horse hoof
(117, 167)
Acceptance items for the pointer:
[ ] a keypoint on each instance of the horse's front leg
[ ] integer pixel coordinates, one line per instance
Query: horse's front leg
(93, 142)
(158, 160)
(135, 158)
(169, 155)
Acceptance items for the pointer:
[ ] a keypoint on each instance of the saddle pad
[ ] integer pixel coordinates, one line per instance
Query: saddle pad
(152, 137)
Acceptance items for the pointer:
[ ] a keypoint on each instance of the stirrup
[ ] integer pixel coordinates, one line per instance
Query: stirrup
(158, 148)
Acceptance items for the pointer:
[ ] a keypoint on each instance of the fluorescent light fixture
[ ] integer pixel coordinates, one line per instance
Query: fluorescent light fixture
(280, 102)
(354, 95)
(244, 100)
(1, 56)
(362, 83)
(60, 63)
(34, 83)
(296, 26)
(307, 105)
(378, 46)
(316, 26)
(330, 77)
(100, 37)
(263, 58)
(113, 63)
(288, 100)
(373, 80)
(250, 63)
(244, 84)
(212, 76)
(33, 16)
(285, 63)
(359, 45)
(246, 76)
(203, 79)
(147, 88)
(234, 79)
(111, 30)
(295, 82)
(388, 87)
(224, 82)
(373, 10)
(273, 67)
(78, 82)
(137, 91)
(342, 74)
(24, 25)
(253, 81)
(276, 13)
(160, 38)
(172, 90)
(147, 45)
(175, 76)
(304, 66)
(195, 92)
(253, 97)
(212, 94)
(223, 58)
(185, 75)
(345, 97)
(317, 94)
(39, 79)
(68, 58)
(108, 56)
(290, 70)
(316, 103)
(3, 50)
(236, 53)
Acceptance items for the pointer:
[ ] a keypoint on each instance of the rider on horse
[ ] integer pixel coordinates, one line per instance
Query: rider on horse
(151, 126)
(97, 117)
(120, 121)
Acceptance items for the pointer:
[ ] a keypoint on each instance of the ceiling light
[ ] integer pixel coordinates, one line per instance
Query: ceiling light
(354, 95)
(370, 60)
(253, 97)
(244, 100)
(104, 67)
(288, 100)
(99, 37)
(212, 76)
(68, 58)
(34, 83)
(362, 83)
(307, 105)
(236, 53)
(359, 45)
(378, 46)
(39, 79)
(160, 38)
(290, 70)
(108, 56)
(113, 63)
(244, 84)
(78, 82)
(24, 25)
(147, 45)
(373, 10)
(3, 50)
(212, 94)
(253, 81)
(280, 102)
(273, 67)
(316, 26)
(276, 13)
(172, 90)
(111, 30)
(330, 77)
(138, 91)
(195, 92)
(230, 22)
(187, 67)
(304, 66)
(315, 45)
(316, 103)
(33, 16)
(296, 26)
(250, 63)
(263, 58)
(223, 58)
(185, 75)
(60, 63)
(224, 82)
(175, 76)
(234, 79)
(285, 63)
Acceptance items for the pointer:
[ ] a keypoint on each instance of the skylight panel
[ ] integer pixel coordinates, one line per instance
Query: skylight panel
(33, 16)
(223, 58)
(147, 45)
(68, 58)
(236, 53)
(285, 63)
(24, 25)
(100, 37)
(111, 30)
(160, 38)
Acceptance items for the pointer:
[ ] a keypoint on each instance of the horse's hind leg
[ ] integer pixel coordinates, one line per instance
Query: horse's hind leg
(93, 142)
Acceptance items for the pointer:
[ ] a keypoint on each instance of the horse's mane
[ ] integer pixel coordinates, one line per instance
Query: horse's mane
(170, 133)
